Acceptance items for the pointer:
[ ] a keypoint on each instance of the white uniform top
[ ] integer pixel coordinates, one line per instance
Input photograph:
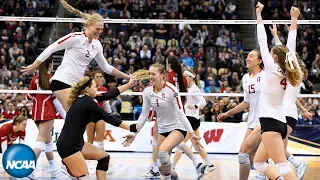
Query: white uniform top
(252, 92)
(78, 54)
(167, 104)
(289, 107)
(273, 84)
(194, 100)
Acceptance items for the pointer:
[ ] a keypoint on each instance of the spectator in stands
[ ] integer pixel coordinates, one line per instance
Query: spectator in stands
(314, 121)
(10, 113)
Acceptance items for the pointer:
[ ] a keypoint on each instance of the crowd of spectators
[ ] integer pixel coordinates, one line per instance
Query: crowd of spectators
(214, 52)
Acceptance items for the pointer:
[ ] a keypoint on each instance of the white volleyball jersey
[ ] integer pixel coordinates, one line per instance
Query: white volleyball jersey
(77, 56)
(274, 83)
(289, 107)
(194, 100)
(167, 104)
(252, 92)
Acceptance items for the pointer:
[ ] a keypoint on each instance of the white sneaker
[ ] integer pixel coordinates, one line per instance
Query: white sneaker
(201, 170)
(301, 169)
(32, 176)
(151, 174)
(260, 177)
(65, 172)
(209, 168)
(56, 173)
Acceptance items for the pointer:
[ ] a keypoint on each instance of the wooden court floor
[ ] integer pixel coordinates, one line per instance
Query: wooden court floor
(131, 166)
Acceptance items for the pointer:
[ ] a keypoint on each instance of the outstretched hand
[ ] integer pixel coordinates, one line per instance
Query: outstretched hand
(273, 30)
(28, 70)
(196, 143)
(129, 139)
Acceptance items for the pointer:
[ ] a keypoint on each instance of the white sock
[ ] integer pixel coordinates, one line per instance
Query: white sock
(52, 165)
(173, 165)
(293, 161)
(155, 167)
(206, 160)
(195, 161)
(100, 145)
(158, 162)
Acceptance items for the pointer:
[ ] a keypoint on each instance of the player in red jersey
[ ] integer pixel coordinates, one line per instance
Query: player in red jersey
(43, 113)
(10, 132)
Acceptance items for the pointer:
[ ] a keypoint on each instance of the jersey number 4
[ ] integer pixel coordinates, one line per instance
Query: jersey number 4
(284, 83)
(251, 88)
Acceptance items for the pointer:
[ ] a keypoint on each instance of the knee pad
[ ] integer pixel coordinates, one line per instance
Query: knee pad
(154, 142)
(283, 168)
(103, 164)
(48, 147)
(260, 166)
(164, 158)
(40, 145)
(243, 158)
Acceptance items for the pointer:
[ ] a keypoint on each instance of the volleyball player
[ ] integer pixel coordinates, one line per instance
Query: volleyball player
(252, 90)
(95, 130)
(80, 49)
(192, 110)
(70, 144)
(10, 132)
(174, 76)
(290, 101)
(164, 98)
(44, 113)
(273, 123)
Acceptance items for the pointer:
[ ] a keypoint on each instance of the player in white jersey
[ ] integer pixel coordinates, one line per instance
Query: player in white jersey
(80, 49)
(192, 110)
(290, 102)
(252, 90)
(173, 125)
(278, 69)
(174, 76)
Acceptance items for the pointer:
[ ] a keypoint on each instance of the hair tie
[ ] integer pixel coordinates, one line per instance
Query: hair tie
(186, 72)
(86, 84)
(290, 57)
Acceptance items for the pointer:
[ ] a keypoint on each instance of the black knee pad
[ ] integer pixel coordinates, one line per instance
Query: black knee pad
(103, 164)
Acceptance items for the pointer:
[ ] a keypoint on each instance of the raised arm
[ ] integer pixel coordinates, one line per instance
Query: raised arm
(107, 68)
(263, 41)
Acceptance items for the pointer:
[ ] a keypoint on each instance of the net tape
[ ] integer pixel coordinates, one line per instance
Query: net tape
(152, 21)
(140, 93)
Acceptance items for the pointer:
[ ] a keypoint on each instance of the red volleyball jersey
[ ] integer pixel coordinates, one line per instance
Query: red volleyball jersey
(10, 114)
(101, 104)
(172, 77)
(43, 107)
(7, 134)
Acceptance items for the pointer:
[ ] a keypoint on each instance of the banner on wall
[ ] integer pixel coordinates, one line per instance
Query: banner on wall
(215, 137)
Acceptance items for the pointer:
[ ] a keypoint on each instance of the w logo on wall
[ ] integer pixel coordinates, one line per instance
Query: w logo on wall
(213, 135)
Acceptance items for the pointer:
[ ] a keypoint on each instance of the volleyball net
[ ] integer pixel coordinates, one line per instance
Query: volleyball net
(217, 136)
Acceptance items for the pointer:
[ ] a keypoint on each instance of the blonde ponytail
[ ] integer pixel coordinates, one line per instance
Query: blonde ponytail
(141, 74)
(90, 18)
(293, 74)
(76, 90)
